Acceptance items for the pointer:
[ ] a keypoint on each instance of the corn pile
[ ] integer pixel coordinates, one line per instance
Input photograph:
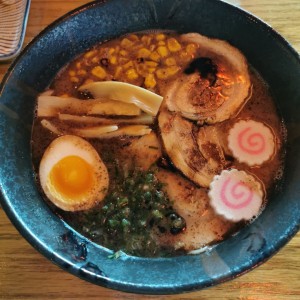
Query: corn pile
(138, 59)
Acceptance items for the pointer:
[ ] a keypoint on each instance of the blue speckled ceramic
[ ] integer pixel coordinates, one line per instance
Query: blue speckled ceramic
(37, 65)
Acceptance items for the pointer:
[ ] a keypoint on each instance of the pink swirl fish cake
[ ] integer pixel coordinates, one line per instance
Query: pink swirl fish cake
(236, 195)
(251, 142)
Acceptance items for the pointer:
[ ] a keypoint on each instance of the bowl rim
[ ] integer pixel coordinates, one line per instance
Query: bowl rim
(88, 5)
(34, 241)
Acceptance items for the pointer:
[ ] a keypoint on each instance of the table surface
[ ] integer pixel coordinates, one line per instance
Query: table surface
(26, 274)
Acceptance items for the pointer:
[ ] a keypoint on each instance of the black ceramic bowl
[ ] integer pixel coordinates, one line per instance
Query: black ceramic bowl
(37, 65)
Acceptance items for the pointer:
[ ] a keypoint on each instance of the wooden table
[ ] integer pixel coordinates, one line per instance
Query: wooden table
(25, 274)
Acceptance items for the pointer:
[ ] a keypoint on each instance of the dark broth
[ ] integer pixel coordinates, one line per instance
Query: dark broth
(138, 220)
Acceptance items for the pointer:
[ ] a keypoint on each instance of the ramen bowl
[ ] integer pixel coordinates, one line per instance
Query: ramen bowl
(35, 68)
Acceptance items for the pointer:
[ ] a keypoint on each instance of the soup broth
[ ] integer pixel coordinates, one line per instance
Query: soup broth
(153, 206)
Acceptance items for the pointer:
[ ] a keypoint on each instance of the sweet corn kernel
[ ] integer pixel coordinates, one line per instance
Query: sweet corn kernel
(111, 51)
(152, 64)
(191, 48)
(136, 47)
(173, 70)
(128, 65)
(150, 81)
(184, 56)
(90, 54)
(72, 73)
(151, 70)
(155, 56)
(126, 43)
(99, 72)
(132, 74)
(133, 37)
(118, 72)
(152, 47)
(160, 37)
(170, 61)
(165, 73)
(95, 60)
(123, 60)
(113, 60)
(145, 53)
(161, 43)
(124, 52)
(74, 79)
(146, 40)
(78, 65)
(161, 74)
(141, 69)
(89, 80)
(173, 45)
(162, 51)
(81, 72)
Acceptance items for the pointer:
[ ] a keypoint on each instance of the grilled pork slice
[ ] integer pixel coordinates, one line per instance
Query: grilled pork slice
(141, 153)
(203, 225)
(215, 86)
(193, 150)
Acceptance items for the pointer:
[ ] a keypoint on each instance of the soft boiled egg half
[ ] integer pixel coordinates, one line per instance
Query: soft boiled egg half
(72, 174)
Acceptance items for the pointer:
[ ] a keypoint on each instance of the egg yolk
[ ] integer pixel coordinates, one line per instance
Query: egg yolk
(72, 177)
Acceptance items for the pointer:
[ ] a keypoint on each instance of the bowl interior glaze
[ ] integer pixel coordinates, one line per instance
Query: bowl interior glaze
(35, 68)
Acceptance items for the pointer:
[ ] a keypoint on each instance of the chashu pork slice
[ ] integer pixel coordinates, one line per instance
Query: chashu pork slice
(215, 86)
(141, 152)
(203, 225)
(193, 150)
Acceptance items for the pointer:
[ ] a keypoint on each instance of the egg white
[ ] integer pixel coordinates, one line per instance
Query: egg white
(69, 145)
